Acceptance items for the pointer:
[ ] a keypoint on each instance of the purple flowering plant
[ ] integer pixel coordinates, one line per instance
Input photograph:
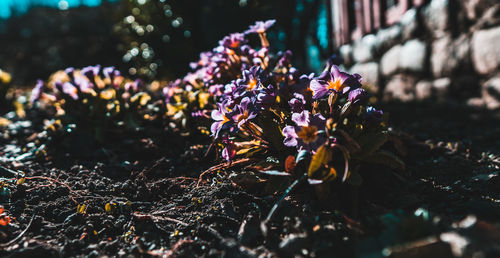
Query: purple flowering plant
(96, 100)
(254, 105)
(257, 107)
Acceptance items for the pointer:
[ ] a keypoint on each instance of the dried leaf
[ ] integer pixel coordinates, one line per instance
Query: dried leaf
(322, 157)
(290, 164)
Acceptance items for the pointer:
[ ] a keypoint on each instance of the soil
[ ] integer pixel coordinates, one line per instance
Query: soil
(158, 206)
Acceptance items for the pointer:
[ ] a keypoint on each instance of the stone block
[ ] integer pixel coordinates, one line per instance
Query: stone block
(388, 37)
(486, 50)
(475, 8)
(400, 87)
(363, 50)
(449, 56)
(389, 63)
(413, 56)
(436, 17)
(423, 90)
(370, 74)
(345, 52)
(409, 24)
(441, 88)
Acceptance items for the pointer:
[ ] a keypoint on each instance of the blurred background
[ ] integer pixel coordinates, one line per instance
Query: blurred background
(406, 50)
(148, 38)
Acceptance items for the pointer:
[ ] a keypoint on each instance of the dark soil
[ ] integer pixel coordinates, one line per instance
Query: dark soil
(159, 207)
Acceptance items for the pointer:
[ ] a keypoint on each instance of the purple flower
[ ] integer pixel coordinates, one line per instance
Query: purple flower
(216, 90)
(286, 59)
(308, 134)
(233, 41)
(266, 96)
(297, 103)
(333, 81)
(131, 86)
(373, 114)
(358, 95)
(83, 84)
(260, 27)
(91, 71)
(110, 72)
(205, 59)
(243, 111)
(222, 117)
(36, 93)
(307, 77)
(70, 72)
(69, 89)
(251, 79)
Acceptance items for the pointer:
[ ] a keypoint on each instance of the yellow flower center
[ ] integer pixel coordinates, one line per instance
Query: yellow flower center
(234, 44)
(335, 85)
(243, 116)
(252, 84)
(308, 134)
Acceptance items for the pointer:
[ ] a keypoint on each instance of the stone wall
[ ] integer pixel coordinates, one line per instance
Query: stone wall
(443, 50)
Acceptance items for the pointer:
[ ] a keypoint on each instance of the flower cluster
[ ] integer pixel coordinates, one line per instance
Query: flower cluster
(254, 104)
(207, 84)
(96, 98)
(268, 108)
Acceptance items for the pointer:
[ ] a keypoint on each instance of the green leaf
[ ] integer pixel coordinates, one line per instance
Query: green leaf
(371, 142)
(386, 158)
(345, 108)
(302, 155)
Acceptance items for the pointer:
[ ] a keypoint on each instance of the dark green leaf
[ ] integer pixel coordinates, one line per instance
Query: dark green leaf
(386, 158)
(371, 142)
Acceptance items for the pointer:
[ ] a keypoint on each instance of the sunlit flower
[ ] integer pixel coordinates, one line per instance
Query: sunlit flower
(68, 88)
(91, 71)
(244, 111)
(233, 41)
(333, 81)
(308, 134)
(297, 103)
(36, 93)
(358, 95)
(260, 26)
(223, 119)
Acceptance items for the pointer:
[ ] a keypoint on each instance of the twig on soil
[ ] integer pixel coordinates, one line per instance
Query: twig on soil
(222, 166)
(142, 216)
(5, 245)
(10, 171)
(57, 182)
(147, 169)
